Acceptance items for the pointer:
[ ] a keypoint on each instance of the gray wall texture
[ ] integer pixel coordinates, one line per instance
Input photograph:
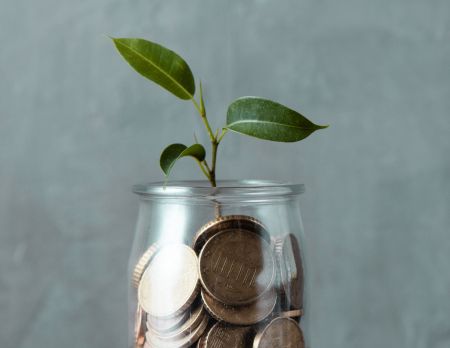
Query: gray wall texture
(78, 128)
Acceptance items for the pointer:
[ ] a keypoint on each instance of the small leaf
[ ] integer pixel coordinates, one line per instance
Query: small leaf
(159, 64)
(174, 152)
(268, 120)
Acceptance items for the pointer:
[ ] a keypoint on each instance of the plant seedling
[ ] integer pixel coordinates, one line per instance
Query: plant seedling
(253, 116)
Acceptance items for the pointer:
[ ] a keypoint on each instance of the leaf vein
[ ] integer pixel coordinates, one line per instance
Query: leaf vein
(157, 67)
(270, 122)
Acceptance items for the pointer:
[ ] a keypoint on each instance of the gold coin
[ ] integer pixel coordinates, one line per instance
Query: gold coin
(280, 332)
(183, 342)
(192, 321)
(247, 314)
(142, 264)
(224, 336)
(225, 223)
(296, 313)
(290, 267)
(139, 328)
(169, 285)
(236, 267)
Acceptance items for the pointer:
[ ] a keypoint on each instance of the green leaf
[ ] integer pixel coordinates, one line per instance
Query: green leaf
(268, 120)
(159, 64)
(174, 152)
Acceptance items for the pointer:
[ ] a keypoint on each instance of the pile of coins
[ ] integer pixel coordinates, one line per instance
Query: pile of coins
(234, 286)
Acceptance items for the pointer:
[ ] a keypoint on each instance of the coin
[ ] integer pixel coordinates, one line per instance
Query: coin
(225, 336)
(139, 327)
(289, 261)
(296, 313)
(142, 264)
(236, 267)
(162, 325)
(225, 223)
(184, 342)
(192, 321)
(201, 343)
(169, 285)
(247, 314)
(280, 332)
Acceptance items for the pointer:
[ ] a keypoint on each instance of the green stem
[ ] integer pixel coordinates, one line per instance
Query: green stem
(224, 131)
(205, 171)
(196, 105)
(207, 166)
(210, 173)
(202, 114)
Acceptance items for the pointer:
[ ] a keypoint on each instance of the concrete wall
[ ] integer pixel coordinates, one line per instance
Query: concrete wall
(78, 128)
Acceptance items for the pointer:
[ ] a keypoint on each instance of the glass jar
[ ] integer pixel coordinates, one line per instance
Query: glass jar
(218, 267)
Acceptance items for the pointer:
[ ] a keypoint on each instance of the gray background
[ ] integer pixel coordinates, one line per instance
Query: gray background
(78, 128)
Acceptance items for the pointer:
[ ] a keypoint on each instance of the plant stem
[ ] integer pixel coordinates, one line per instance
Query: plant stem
(205, 171)
(224, 131)
(207, 166)
(210, 173)
(202, 112)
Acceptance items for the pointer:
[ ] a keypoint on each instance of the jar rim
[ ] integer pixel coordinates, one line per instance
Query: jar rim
(225, 189)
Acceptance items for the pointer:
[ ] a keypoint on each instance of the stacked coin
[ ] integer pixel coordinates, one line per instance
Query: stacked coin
(235, 286)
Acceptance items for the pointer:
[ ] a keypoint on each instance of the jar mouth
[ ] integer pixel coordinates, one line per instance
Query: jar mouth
(226, 189)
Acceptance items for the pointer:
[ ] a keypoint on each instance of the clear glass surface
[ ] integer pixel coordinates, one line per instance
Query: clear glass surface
(218, 267)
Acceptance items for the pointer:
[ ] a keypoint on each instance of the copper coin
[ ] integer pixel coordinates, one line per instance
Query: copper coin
(247, 314)
(296, 313)
(192, 321)
(163, 325)
(224, 336)
(291, 271)
(183, 342)
(236, 267)
(142, 264)
(170, 282)
(139, 327)
(201, 343)
(228, 223)
(280, 332)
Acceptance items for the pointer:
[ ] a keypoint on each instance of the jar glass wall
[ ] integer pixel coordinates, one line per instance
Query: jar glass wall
(218, 267)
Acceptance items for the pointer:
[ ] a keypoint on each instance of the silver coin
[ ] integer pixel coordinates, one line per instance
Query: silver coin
(142, 263)
(170, 283)
(184, 342)
(163, 325)
(193, 319)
